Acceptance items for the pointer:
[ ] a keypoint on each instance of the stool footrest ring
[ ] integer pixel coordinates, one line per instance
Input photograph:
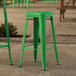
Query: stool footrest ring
(3, 44)
(26, 47)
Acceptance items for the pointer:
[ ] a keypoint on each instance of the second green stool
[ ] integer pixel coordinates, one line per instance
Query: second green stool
(39, 19)
(21, 3)
(7, 31)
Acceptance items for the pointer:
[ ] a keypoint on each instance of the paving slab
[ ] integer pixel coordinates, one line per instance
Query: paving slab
(67, 59)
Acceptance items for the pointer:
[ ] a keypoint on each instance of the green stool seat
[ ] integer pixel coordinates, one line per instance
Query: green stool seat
(7, 32)
(39, 19)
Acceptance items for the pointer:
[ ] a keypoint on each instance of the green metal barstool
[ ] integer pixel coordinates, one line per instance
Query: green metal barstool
(21, 3)
(52, 1)
(7, 32)
(39, 19)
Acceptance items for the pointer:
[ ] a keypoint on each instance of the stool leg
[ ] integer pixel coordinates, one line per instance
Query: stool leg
(36, 34)
(28, 1)
(46, 1)
(18, 3)
(54, 38)
(23, 3)
(7, 32)
(9, 48)
(56, 1)
(32, 3)
(23, 42)
(43, 39)
(14, 3)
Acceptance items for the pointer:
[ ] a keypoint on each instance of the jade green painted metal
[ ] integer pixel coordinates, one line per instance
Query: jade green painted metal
(36, 34)
(52, 1)
(26, 47)
(10, 1)
(39, 19)
(23, 42)
(56, 1)
(7, 32)
(21, 3)
(42, 22)
(54, 38)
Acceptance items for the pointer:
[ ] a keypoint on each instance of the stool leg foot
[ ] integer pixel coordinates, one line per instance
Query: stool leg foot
(43, 40)
(36, 34)
(54, 38)
(8, 44)
(9, 55)
(23, 42)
